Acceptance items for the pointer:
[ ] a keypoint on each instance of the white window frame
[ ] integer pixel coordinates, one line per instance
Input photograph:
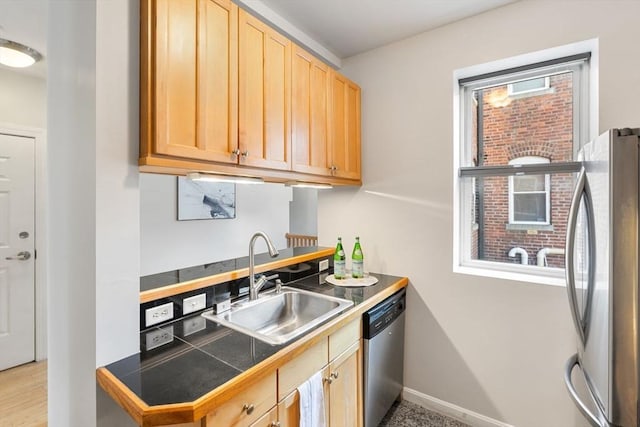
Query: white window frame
(528, 160)
(461, 249)
(512, 92)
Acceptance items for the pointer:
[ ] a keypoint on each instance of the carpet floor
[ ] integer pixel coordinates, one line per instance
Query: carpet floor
(407, 414)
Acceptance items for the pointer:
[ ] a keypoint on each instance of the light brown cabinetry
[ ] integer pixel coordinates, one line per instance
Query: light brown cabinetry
(264, 95)
(247, 406)
(345, 127)
(339, 359)
(310, 113)
(270, 419)
(189, 79)
(223, 92)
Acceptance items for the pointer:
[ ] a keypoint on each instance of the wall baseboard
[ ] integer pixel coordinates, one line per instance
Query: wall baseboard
(449, 409)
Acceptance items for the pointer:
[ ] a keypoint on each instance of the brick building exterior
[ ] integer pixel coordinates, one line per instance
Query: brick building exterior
(534, 124)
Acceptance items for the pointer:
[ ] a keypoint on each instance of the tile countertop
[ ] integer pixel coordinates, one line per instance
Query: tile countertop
(186, 360)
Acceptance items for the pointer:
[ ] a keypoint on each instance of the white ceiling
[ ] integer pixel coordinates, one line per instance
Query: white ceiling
(344, 27)
(349, 27)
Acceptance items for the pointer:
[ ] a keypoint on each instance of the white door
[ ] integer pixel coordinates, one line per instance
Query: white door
(17, 266)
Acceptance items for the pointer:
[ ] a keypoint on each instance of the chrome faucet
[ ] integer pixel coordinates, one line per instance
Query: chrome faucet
(254, 286)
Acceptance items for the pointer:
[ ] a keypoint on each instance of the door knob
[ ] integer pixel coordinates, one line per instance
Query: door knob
(22, 256)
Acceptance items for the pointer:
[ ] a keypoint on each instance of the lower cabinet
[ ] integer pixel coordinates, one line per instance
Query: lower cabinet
(274, 401)
(345, 388)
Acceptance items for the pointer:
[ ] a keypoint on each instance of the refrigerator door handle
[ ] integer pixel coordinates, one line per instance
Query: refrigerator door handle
(582, 190)
(568, 368)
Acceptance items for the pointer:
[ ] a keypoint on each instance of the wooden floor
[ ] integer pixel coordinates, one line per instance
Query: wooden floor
(23, 396)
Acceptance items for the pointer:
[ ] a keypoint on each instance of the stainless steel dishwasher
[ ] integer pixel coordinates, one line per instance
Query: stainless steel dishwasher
(383, 356)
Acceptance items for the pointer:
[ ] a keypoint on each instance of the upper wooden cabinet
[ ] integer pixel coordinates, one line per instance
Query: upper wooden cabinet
(345, 127)
(223, 92)
(310, 113)
(189, 79)
(264, 95)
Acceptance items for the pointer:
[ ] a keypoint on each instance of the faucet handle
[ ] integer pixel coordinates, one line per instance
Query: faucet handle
(273, 276)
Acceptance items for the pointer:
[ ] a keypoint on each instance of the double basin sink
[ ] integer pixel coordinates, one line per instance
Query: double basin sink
(278, 317)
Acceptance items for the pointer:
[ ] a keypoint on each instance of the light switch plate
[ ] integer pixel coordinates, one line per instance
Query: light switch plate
(158, 337)
(194, 303)
(158, 314)
(323, 265)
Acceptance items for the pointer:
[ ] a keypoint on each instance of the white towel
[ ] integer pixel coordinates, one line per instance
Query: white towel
(312, 402)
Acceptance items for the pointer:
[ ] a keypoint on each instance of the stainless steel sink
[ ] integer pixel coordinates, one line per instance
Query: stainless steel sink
(279, 317)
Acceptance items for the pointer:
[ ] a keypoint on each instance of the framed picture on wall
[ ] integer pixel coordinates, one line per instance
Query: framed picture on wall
(205, 200)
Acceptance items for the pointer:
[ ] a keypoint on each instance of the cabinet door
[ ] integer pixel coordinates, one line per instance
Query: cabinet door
(217, 137)
(309, 114)
(264, 95)
(345, 127)
(175, 77)
(345, 390)
(195, 79)
(289, 407)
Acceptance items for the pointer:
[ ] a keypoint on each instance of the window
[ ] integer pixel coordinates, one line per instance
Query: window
(529, 195)
(528, 86)
(515, 166)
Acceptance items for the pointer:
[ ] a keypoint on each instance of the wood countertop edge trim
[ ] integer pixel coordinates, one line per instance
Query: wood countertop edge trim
(146, 415)
(215, 279)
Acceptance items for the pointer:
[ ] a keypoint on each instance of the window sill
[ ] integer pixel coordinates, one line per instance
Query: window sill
(529, 274)
(528, 227)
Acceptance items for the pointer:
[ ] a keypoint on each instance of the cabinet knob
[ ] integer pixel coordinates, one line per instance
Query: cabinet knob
(248, 408)
(236, 152)
(275, 424)
(334, 375)
(245, 153)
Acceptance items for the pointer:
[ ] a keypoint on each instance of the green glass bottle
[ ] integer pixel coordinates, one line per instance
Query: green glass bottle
(339, 261)
(357, 261)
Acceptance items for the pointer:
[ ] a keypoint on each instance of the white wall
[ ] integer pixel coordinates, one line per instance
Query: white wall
(167, 244)
(93, 189)
(24, 99)
(492, 346)
(72, 208)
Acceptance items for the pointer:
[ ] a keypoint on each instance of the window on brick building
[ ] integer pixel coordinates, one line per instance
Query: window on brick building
(519, 132)
(529, 86)
(529, 195)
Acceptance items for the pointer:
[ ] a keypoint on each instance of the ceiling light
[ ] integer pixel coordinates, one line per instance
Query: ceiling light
(308, 185)
(196, 176)
(17, 55)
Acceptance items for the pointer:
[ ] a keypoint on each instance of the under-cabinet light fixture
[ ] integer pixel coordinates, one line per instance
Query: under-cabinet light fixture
(197, 176)
(315, 185)
(17, 55)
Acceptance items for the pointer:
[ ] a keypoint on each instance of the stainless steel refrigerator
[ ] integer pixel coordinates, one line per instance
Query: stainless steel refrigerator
(602, 260)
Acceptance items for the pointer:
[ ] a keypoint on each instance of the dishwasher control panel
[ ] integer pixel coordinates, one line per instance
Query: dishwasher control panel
(376, 319)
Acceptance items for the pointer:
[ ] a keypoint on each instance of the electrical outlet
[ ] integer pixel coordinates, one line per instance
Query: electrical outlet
(324, 265)
(158, 337)
(194, 303)
(322, 278)
(158, 314)
(193, 325)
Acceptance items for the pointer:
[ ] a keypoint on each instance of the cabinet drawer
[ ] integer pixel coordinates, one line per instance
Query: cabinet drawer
(298, 370)
(342, 339)
(260, 397)
(269, 419)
